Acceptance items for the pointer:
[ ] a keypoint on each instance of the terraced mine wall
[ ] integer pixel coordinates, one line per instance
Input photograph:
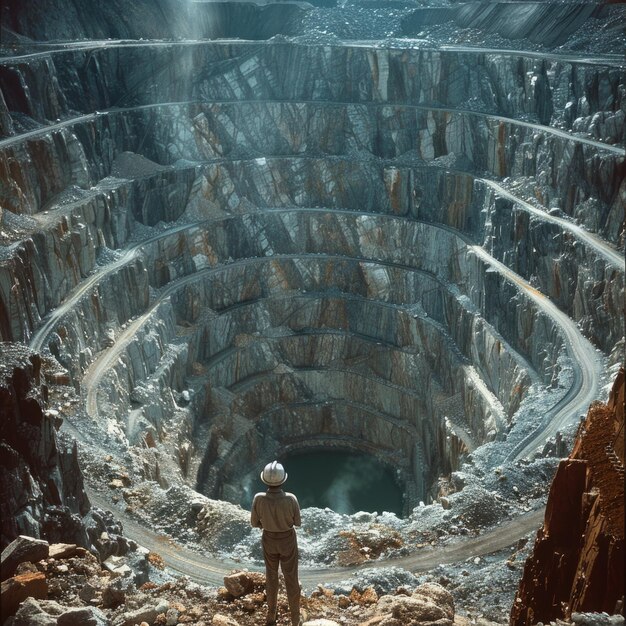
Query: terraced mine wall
(299, 256)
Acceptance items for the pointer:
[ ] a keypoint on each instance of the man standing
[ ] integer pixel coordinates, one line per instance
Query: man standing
(277, 512)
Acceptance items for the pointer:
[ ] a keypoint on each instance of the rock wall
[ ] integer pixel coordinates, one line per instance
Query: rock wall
(505, 83)
(577, 562)
(42, 489)
(41, 484)
(163, 19)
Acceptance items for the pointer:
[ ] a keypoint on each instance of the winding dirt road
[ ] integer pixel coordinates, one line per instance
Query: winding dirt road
(587, 375)
(584, 389)
(587, 371)
(59, 47)
(211, 571)
(610, 254)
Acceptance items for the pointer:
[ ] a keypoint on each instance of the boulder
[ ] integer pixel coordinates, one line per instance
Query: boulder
(63, 550)
(25, 568)
(115, 594)
(118, 565)
(368, 596)
(83, 616)
(429, 605)
(597, 619)
(437, 594)
(88, 593)
(34, 612)
(171, 616)
(139, 562)
(15, 590)
(21, 550)
(223, 620)
(146, 613)
(239, 584)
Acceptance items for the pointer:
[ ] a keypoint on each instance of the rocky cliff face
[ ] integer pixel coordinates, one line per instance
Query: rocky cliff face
(41, 484)
(577, 561)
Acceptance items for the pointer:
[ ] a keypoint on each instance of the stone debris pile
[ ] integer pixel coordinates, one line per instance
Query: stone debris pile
(65, 585)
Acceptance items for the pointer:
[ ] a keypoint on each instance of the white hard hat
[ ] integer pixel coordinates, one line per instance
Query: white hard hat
(274, 474)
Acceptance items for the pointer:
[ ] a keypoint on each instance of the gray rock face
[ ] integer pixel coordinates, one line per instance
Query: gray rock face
(163, 19)
(41, 481)
(499, 83)
(38, 613)
(547, 24)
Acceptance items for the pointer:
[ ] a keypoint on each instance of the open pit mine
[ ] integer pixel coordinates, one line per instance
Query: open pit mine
(383, 233)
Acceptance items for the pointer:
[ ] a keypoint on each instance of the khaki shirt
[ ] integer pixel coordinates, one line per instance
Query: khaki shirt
(275, 510)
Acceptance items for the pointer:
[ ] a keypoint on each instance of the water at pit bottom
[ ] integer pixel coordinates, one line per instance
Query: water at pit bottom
(345, 482)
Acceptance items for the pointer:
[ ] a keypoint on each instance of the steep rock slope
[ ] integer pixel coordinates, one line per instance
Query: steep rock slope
(577, 563)
(41, 484)
(42, 492)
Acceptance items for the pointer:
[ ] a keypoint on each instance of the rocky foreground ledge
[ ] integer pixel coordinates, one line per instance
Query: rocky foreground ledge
(65, 585)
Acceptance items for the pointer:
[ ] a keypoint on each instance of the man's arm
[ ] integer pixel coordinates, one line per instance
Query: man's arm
(255, 520)
(296, 512)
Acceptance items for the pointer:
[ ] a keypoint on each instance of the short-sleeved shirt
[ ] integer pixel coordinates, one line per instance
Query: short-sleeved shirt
(275, 510)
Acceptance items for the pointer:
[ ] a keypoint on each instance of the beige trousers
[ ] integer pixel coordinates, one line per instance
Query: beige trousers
(281, 548)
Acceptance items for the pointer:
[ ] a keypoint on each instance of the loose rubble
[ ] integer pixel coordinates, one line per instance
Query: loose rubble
(74, 589)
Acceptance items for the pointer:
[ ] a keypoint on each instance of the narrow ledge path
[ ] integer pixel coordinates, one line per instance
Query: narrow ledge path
(60, 47)
(40, 335)
(584, 387)
(90, 117)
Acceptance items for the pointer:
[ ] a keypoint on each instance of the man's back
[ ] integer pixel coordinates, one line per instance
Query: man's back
(275, 510)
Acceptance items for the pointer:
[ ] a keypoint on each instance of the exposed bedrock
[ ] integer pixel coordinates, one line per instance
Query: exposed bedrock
(247, 20)
(339, 238)
(49, 264)
(581, 180)
(329, 350)
(524, 20)
(546, 24)
(160, 352)
(162, 19)
(40, 270)
(62, 83)
(40, 480)
(255, 378)
(63, 166)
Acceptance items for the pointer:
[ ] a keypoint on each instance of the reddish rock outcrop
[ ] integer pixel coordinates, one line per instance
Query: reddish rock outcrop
(578, 560)
(16, 589)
